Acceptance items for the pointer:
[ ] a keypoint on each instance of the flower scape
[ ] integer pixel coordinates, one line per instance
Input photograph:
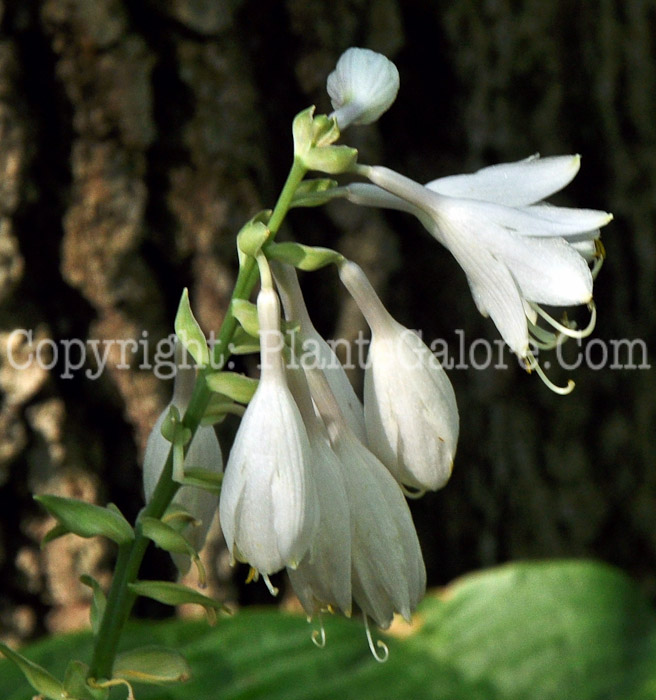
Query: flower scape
(316, 482)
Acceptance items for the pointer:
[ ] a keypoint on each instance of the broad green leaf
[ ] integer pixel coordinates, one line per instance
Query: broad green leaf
(87, 520)
(534, 631)
(190, 333)
(549, 630)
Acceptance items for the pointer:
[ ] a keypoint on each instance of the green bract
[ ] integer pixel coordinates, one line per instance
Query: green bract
(252, 237)
(190, 333)
(237, 387)
(313, 137)
(86, 519)
(42, 681)
(303, 257)
(154, 665)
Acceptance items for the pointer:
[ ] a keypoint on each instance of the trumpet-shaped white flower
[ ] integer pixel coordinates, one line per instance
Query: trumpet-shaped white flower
(316, 353)
(323, 578)
(516, 251)
(204, 451)
(410, 408)
(387, 573)
(362, 87)
(268, 506)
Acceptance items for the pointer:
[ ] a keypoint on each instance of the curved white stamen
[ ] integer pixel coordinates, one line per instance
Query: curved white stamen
(272, 589)
(543, 339)
(412, 493)
(533, 364)
(566, 330)
(319, 636)
(382, 655)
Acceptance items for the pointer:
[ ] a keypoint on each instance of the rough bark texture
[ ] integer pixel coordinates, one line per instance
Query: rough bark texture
(137, 136)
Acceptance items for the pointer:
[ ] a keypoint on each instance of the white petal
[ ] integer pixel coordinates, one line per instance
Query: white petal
(494, 290)
(323, 578)
(515, 184)
(585, 221)
(547, 270)
(388, 568)
(268, 504)
(313, 352)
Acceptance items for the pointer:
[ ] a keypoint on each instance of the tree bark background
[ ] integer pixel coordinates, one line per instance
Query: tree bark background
(137, 136)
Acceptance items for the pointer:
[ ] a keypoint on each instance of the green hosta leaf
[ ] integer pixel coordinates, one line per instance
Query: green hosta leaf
(545, 631)
(190, 333)
(237, 387)
(303, 257)
(41, 680)
(87, 520)
(535, 631)
(98, 603)
(154, 665)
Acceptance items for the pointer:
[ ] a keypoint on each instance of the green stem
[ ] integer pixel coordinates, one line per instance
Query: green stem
(120, 599)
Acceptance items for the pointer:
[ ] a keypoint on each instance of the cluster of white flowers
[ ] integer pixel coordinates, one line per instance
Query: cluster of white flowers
(316, 481)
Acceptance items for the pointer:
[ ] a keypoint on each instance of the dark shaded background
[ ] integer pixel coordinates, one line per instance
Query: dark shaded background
(137, 136)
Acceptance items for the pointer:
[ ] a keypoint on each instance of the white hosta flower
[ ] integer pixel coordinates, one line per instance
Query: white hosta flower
(388, 573)
(204, 451)
(268, 506)
(410, 408)
(362, 87)
(323, 579)
(516, 251)
(315, 351)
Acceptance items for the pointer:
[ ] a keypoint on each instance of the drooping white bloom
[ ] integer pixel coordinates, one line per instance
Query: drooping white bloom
(362, 87)
(204, 451)
(316, 353)
(516, 251)
(268, 506)
(387, 574)
(323, 578)
(410, 408)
